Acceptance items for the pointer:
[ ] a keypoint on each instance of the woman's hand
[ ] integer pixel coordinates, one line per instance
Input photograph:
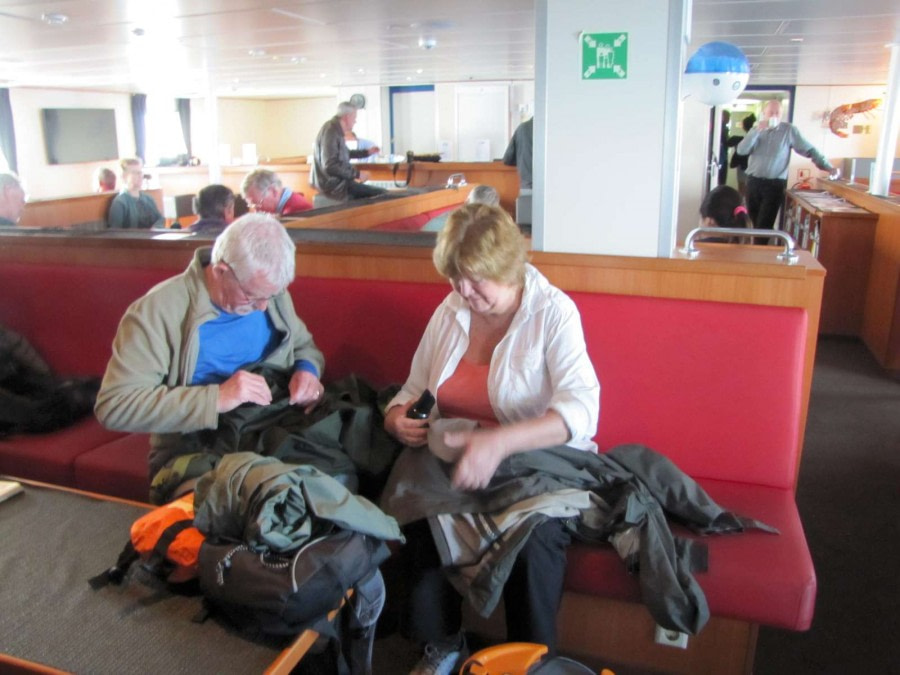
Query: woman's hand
(484, 450)
(408, 431)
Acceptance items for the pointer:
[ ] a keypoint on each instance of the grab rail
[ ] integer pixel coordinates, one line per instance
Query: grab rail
(456, 181)
(789, 256)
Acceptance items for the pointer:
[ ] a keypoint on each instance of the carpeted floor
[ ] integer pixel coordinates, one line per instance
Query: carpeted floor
(849, 499)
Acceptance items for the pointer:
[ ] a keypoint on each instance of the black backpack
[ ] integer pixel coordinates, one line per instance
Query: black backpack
(284, 595)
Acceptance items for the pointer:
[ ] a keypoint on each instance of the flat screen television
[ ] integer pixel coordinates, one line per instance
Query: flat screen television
(73, 135)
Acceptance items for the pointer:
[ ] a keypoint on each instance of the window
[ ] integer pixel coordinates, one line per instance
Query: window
(165, 141)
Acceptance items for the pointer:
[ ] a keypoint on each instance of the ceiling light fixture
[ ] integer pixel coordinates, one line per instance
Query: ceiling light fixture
(427, 42)
(257, 52)
(54, 18)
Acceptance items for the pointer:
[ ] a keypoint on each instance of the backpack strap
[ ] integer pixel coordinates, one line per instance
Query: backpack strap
(117, 572)
(158, 555)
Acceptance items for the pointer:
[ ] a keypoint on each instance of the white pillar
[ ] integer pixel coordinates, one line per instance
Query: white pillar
(606, 148)
(880, 183)
(212, 140)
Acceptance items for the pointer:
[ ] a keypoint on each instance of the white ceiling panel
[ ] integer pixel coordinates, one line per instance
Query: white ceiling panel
(296, 47)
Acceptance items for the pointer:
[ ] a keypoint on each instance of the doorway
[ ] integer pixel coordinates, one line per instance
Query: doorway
(749, 102)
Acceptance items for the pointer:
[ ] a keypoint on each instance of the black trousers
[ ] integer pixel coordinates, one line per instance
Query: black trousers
(531, 596)
(356, 190)
(765, 197)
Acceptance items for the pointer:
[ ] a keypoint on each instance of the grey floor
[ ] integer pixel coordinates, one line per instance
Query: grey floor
(849, 499)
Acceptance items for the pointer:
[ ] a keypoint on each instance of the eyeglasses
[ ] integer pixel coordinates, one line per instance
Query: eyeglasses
(248, 298)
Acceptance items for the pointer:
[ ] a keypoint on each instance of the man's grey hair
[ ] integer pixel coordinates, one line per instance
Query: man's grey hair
(8, 180)
(483, 194)
(345, 108)
(257, 242)
(261, 179)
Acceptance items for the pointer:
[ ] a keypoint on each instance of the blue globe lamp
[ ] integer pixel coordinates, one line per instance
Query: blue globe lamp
(716, 74)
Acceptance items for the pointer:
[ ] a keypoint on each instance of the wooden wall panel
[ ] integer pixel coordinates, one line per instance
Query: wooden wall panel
(881, 316)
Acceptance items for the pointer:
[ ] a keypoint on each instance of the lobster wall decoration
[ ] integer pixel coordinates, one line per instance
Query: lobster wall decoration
(840, 116)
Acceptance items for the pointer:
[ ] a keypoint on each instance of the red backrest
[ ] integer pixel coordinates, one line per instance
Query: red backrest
(367, 327)
(714, 386)
(70, 314)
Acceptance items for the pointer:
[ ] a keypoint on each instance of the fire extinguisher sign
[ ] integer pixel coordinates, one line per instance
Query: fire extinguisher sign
(604, 56)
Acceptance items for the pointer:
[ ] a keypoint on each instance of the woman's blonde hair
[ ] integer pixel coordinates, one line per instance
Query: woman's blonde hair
(481, 242)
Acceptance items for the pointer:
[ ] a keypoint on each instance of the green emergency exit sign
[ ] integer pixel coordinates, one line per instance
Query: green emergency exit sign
(604, 56)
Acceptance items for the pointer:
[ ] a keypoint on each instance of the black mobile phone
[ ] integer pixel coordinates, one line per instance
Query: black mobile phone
(421, 408)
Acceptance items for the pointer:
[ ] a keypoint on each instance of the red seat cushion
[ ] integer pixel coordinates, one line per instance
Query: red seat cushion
(117, 468)
(753, 576)
(50, 457)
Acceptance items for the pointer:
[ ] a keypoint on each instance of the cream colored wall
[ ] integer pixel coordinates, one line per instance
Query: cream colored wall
(43, 180)
(811, 116)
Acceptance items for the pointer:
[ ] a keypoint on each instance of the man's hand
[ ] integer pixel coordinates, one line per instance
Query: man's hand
(408, 431)
(243, 387)
(374, 150)
(305, 389)
(364, 176)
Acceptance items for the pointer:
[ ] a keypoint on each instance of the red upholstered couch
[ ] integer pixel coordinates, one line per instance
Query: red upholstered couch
(714, 386)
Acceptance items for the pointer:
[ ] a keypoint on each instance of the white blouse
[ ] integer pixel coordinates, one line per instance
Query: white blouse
(540, 364)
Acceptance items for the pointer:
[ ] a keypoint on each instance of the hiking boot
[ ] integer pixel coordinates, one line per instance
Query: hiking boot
(441, 658)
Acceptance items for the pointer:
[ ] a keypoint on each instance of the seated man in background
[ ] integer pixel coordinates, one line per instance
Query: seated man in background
(182, 352)
(480, 194)
(332, 173)
(133, 208)
(215, 206)
(264, 192)
(12, 199)
(104, 180)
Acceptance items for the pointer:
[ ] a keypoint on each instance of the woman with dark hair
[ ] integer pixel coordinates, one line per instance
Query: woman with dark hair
(723, 207)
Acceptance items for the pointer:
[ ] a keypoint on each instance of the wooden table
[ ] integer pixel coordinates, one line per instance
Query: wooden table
(55, 539)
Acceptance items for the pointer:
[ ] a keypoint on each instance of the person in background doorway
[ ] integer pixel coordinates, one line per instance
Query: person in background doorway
(104, 180)
(132, 208)
(723, 207)
(518, 152)
(332, 173)
(264, 192)
(769, 146)
(723, 148)
(12, 199)
(214, 205)
(739, 161)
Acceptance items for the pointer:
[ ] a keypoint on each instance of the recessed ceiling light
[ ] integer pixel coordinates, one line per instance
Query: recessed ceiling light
(798, 39)
(54, 18)
(298, 59)
(322, 75)
(361, 71)
(418, 71)
(427, 42)
(257, 52)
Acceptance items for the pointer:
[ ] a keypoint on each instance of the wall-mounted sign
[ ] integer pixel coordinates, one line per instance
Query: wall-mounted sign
(604, 56)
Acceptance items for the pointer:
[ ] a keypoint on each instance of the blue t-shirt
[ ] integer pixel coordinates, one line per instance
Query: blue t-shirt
(232, 341)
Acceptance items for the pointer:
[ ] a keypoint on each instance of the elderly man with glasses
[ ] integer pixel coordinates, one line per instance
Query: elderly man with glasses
(190, 350)
(263, 191)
